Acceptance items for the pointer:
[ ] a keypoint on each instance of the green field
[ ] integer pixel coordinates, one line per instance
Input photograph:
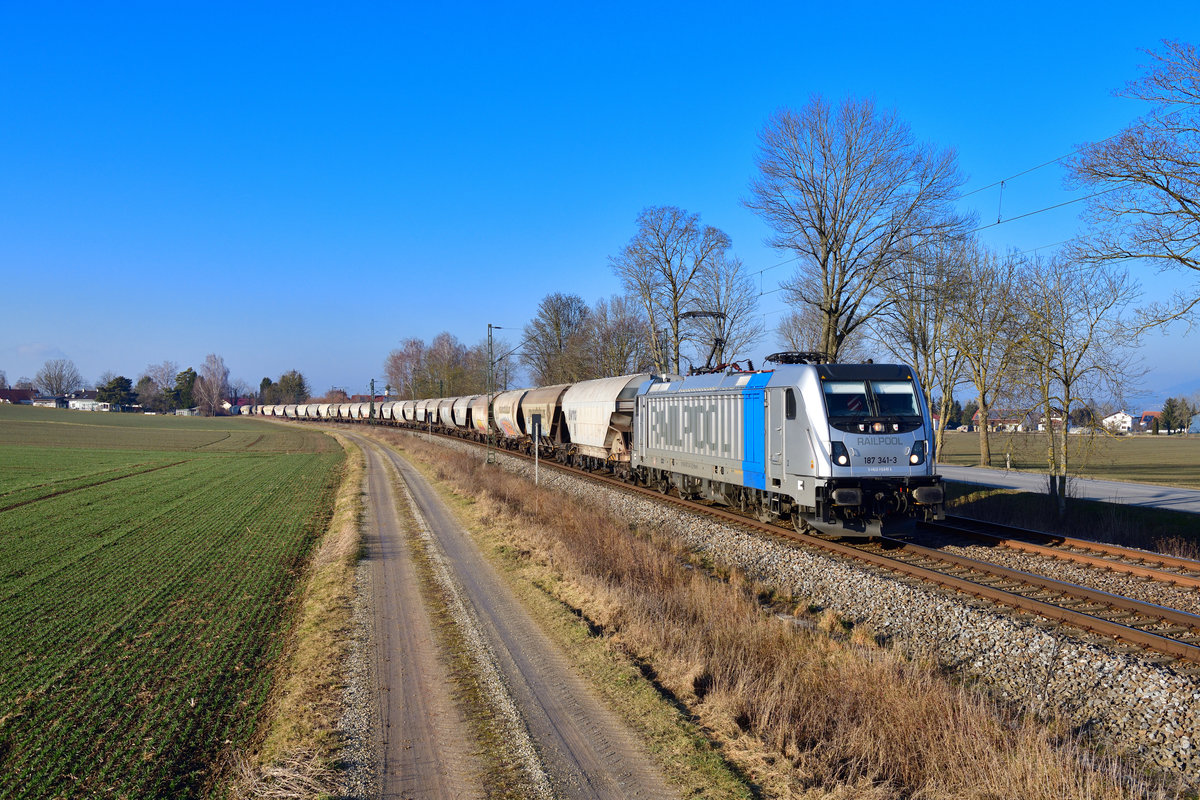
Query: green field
(146, 565)
(1168, 460)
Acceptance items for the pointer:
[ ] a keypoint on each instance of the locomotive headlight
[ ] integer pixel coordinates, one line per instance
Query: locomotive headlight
(917, 457)
(840, 456)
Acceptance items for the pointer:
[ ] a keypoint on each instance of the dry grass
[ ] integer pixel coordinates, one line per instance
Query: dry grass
(832, 715)
(296, 753)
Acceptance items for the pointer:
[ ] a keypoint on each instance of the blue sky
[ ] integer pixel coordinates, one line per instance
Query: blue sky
(301, 186)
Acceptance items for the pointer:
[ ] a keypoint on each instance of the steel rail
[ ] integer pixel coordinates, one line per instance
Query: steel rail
(1131, 561)
(1062, 587)
(1088, 622)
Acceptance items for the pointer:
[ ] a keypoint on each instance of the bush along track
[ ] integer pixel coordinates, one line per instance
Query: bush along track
(798, 709)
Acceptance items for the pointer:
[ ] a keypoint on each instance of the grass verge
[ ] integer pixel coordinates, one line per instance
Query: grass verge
(295, 756)
(802, 713)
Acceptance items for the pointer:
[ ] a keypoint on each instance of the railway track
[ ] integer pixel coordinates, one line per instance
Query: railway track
(1139, 563)
(1138, 625)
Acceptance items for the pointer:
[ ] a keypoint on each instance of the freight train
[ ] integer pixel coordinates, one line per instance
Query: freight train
(844, 448)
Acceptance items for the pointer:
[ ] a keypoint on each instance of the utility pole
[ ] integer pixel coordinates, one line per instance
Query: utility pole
(371, 418)
(491, 378)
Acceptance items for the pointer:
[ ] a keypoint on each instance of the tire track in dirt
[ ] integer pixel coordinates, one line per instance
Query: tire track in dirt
(423, 741)
(583, 747)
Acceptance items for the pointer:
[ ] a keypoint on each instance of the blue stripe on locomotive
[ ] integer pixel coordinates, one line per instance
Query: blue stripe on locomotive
(754, 432)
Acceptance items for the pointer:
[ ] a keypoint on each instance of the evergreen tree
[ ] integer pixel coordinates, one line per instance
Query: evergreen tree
(118, 392)
(182, 395)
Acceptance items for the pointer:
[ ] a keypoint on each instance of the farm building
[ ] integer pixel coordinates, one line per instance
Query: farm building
(88, 404)
(1147, 420)
(16, 396)
(1119, 422)
(50, 402)
(1005, 421)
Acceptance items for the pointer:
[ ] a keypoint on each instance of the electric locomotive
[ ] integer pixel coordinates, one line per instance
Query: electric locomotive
(842, 447)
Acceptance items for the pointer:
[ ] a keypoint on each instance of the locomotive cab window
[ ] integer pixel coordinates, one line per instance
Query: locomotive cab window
(789, 404)
(895, 398)
(852, 404)
(846, 399)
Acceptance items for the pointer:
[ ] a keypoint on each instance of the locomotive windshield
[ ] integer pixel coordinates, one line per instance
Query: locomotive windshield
(855, 401)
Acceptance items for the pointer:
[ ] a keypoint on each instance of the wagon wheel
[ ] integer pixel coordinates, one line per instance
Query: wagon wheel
(664, 485)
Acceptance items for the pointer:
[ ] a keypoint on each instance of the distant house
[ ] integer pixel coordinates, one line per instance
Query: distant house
(1119, 422)
(1195, 426)
(50, 402)
(187, 412)
(1005, 421)
(16, 396)
(1056, 420)
(1147, 420)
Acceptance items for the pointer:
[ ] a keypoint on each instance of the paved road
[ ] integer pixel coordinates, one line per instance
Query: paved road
(1134, 494)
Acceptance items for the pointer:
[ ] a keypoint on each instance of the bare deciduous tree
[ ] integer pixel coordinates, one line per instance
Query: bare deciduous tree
(916, 327)
(403, 368)
(445, 366)
(802, 329)
(554, 340)
(848, 191)
(989, 330)
(618, 338)
(724, 289)
(163, 374)
(240, 389)
(660, 266)
(1075, 344)
(3, 380)
(57, 377)
(212, 384)
(1147, 179)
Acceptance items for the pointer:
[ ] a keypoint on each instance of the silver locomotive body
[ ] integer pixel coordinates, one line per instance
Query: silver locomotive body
(843, 447)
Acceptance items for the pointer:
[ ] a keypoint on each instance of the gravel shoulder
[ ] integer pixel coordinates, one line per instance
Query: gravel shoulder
(417, 743)
(584, 750)
(422, 742)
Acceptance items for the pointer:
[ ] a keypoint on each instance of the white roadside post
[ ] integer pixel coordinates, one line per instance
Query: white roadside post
(537, 440)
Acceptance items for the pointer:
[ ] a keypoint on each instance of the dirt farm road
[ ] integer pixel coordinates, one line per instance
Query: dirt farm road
(570, 745)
